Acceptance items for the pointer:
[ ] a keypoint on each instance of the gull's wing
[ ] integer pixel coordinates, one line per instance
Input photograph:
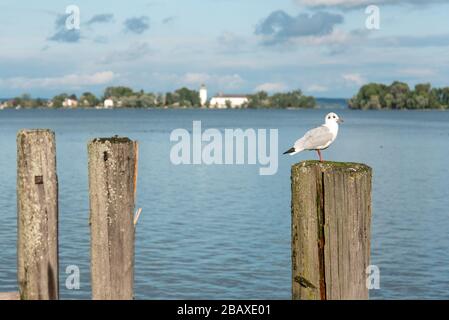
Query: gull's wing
(314, 138)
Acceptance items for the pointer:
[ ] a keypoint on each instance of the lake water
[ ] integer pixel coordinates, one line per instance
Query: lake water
(223, 232)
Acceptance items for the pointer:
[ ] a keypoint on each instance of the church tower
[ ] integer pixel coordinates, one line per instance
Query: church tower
(203, 95)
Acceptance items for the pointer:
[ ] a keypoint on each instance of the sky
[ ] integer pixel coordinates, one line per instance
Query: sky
(322, 47)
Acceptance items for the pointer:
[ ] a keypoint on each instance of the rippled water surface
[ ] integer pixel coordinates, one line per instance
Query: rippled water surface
(223, 232)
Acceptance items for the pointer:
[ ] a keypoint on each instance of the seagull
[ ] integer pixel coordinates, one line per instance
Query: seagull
(319, 138)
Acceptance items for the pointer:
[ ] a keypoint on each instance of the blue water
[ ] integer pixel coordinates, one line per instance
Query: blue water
(223, 232)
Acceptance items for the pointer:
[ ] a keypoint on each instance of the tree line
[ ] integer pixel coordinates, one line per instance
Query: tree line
(293, 99)
(128, 98)
(121, 96)
(398, 95)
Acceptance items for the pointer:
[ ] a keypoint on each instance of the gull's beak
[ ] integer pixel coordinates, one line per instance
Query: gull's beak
(340, 120)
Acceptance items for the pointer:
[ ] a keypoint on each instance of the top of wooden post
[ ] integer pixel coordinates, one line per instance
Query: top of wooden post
(114, 140)
(112, 187)
(35, 130)
(9, 296)
(25, 132)
(331, 221)
(350, 167)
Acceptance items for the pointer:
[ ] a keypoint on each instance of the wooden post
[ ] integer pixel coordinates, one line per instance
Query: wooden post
(9, 296)
(112, 179)
(331, 220)
(37, 212)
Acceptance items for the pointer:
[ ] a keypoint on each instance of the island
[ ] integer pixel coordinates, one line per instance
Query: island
(125, 97)
(398, 95)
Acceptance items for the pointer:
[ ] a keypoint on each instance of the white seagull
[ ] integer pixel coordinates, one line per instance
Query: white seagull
(319, 138)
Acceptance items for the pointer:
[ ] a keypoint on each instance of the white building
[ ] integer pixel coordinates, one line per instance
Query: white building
(223, 101)
(70, 103)
(203, 95)
(108, 103)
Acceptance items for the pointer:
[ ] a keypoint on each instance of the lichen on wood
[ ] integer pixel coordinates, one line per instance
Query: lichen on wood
(37, 214)
(331, 216)
(112, 170)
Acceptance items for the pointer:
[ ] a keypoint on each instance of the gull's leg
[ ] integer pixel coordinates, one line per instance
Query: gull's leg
(319, 154)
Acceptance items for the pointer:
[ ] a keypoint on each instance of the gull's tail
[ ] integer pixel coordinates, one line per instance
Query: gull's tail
(291, 151)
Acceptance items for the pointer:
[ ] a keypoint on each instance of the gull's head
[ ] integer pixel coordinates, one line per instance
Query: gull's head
(333, 118)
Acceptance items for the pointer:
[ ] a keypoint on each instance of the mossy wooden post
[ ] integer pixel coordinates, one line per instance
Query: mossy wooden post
(37, 215)
(331, 220)
(112, 179)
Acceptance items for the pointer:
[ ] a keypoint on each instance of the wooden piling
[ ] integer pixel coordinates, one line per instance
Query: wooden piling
(9, 296)
(112, 179)
(331, 220)
(37, 213)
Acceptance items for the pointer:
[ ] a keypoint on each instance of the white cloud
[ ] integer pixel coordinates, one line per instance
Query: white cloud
(230, 39)
(317, 88)
(336, 37)
(232, 81)
(66, 81)
(353, 78)
(229, 81)
(271, 87)
(134, 52)
(195, 78)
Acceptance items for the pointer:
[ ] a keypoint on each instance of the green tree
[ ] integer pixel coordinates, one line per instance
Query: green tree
(24, 101)
(88, 99)
(59, 99)
(39, 103)
(423, 88)
(388, 101)
(400, 92)
(130, 101)
(160, 100)
(147, 100)
(374, 103)
(188, 98)
(169, 99)
(293, 99)
(117, 92)
(308, 102)
(259, 100)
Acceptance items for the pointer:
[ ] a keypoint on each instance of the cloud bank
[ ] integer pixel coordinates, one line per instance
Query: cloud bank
(101, 18)
(69, 81)
(137, 25)
(62, 34)
(280, 27)
(352, 4)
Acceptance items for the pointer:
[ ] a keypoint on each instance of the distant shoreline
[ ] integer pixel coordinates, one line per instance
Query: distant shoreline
(346, 108)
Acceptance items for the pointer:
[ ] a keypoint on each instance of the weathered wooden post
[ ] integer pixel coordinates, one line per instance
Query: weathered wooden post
(112, 180)
(9, 296)
(331, 220)
(37, 212)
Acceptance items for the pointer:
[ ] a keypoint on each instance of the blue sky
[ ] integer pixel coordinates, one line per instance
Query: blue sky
(233, 46)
